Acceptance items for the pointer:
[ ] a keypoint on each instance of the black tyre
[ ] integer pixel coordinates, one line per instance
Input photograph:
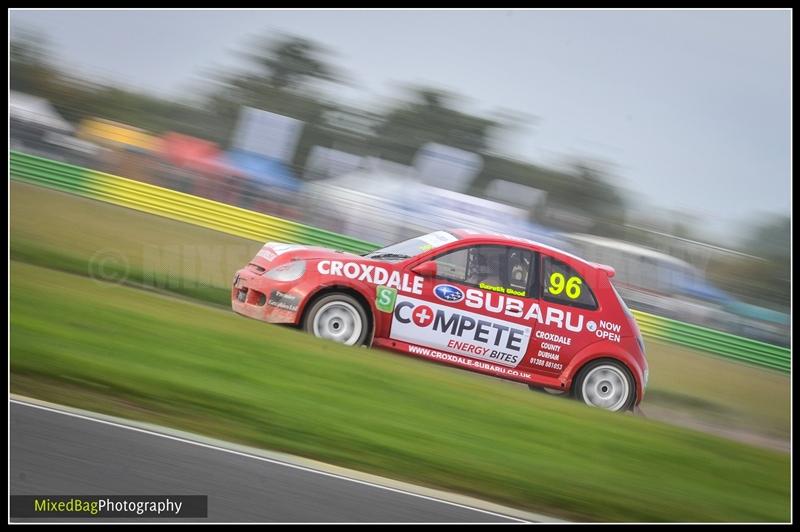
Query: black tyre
(605, 384)
(338, 317)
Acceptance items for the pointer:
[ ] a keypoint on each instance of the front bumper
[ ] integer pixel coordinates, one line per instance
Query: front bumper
(256, 297)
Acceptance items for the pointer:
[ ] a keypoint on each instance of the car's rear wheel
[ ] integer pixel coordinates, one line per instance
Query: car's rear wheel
(606, 384)
(338, 317)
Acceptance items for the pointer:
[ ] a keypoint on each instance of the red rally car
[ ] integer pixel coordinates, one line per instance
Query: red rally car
(503, 306)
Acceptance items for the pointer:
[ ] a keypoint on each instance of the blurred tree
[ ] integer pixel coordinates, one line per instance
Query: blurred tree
(429, 116)
(30, 66)
(256, 91)
(769, 239)
(289, 61)
(29, 48)
(764, 277)
(590, 194)
(682, 223)
(279, 83)
(283, 77)
(32, 70)
(515, 171)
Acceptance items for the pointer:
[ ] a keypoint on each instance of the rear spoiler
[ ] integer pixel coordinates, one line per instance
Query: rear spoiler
(609, 270)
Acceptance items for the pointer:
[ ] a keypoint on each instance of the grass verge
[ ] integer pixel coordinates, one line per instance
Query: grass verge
(154, 358)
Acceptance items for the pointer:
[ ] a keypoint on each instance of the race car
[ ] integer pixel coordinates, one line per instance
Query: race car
(494, 304)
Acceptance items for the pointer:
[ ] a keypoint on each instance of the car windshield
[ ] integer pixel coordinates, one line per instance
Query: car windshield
(412, 247)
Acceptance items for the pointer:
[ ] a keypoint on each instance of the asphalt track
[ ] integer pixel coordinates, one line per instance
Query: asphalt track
(55, 453)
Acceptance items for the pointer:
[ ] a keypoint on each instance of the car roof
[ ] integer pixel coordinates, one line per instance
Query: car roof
(464, 234)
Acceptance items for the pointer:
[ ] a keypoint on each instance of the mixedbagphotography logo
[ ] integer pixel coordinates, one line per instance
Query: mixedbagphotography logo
(96, 506)
(109, 265)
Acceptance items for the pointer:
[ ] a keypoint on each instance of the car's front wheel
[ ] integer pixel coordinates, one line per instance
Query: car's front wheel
(338, 317)
(606, 384)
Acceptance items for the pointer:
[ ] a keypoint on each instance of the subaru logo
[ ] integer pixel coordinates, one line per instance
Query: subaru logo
(449, 293)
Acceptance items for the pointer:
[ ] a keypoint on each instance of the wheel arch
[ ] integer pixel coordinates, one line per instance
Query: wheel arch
(604, 351)
(340, 289)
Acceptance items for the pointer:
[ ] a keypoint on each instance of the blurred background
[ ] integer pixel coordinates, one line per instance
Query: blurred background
(657, 142)
(653, 142)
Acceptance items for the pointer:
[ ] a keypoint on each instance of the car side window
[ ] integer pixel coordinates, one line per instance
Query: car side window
(453, 265)
(561, 284)
(520, 265)
(485, 266)
(496, 268)
(474, 266)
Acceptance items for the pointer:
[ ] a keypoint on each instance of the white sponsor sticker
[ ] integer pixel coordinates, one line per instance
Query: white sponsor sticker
(280, 249)
(526, 309)
(270, 250)
(544, 335)
(548, 354)
(438, 238)
(458, 331)
(605, 330)
(369, 273)
(267, 254)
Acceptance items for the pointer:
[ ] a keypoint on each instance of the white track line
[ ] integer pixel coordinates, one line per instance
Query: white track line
(120, 423)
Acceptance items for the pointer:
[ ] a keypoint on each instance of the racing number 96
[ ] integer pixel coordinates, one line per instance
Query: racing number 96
(571, 286)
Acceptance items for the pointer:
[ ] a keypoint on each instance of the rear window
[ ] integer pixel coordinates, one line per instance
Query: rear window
(561, 284)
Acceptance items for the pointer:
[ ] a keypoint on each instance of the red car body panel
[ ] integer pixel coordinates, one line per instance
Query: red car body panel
(519, 338)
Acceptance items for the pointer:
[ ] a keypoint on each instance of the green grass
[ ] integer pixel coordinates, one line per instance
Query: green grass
(93, 238)
(121, 350)
(726, 393)
(69, 233)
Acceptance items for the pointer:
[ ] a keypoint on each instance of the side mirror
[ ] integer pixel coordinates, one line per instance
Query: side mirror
(426, 269)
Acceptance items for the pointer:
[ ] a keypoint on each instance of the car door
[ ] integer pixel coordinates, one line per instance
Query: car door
(472, 307)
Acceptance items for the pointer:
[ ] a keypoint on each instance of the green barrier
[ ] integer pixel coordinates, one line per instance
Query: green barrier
(261, 227)
(714, 342)
(173, 204)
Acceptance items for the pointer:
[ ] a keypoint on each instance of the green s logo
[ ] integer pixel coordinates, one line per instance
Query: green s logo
(385, 298)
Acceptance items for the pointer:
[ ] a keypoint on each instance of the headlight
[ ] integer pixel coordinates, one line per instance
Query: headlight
(288, 272)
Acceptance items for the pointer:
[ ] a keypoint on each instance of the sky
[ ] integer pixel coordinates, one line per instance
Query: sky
(690, 110)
